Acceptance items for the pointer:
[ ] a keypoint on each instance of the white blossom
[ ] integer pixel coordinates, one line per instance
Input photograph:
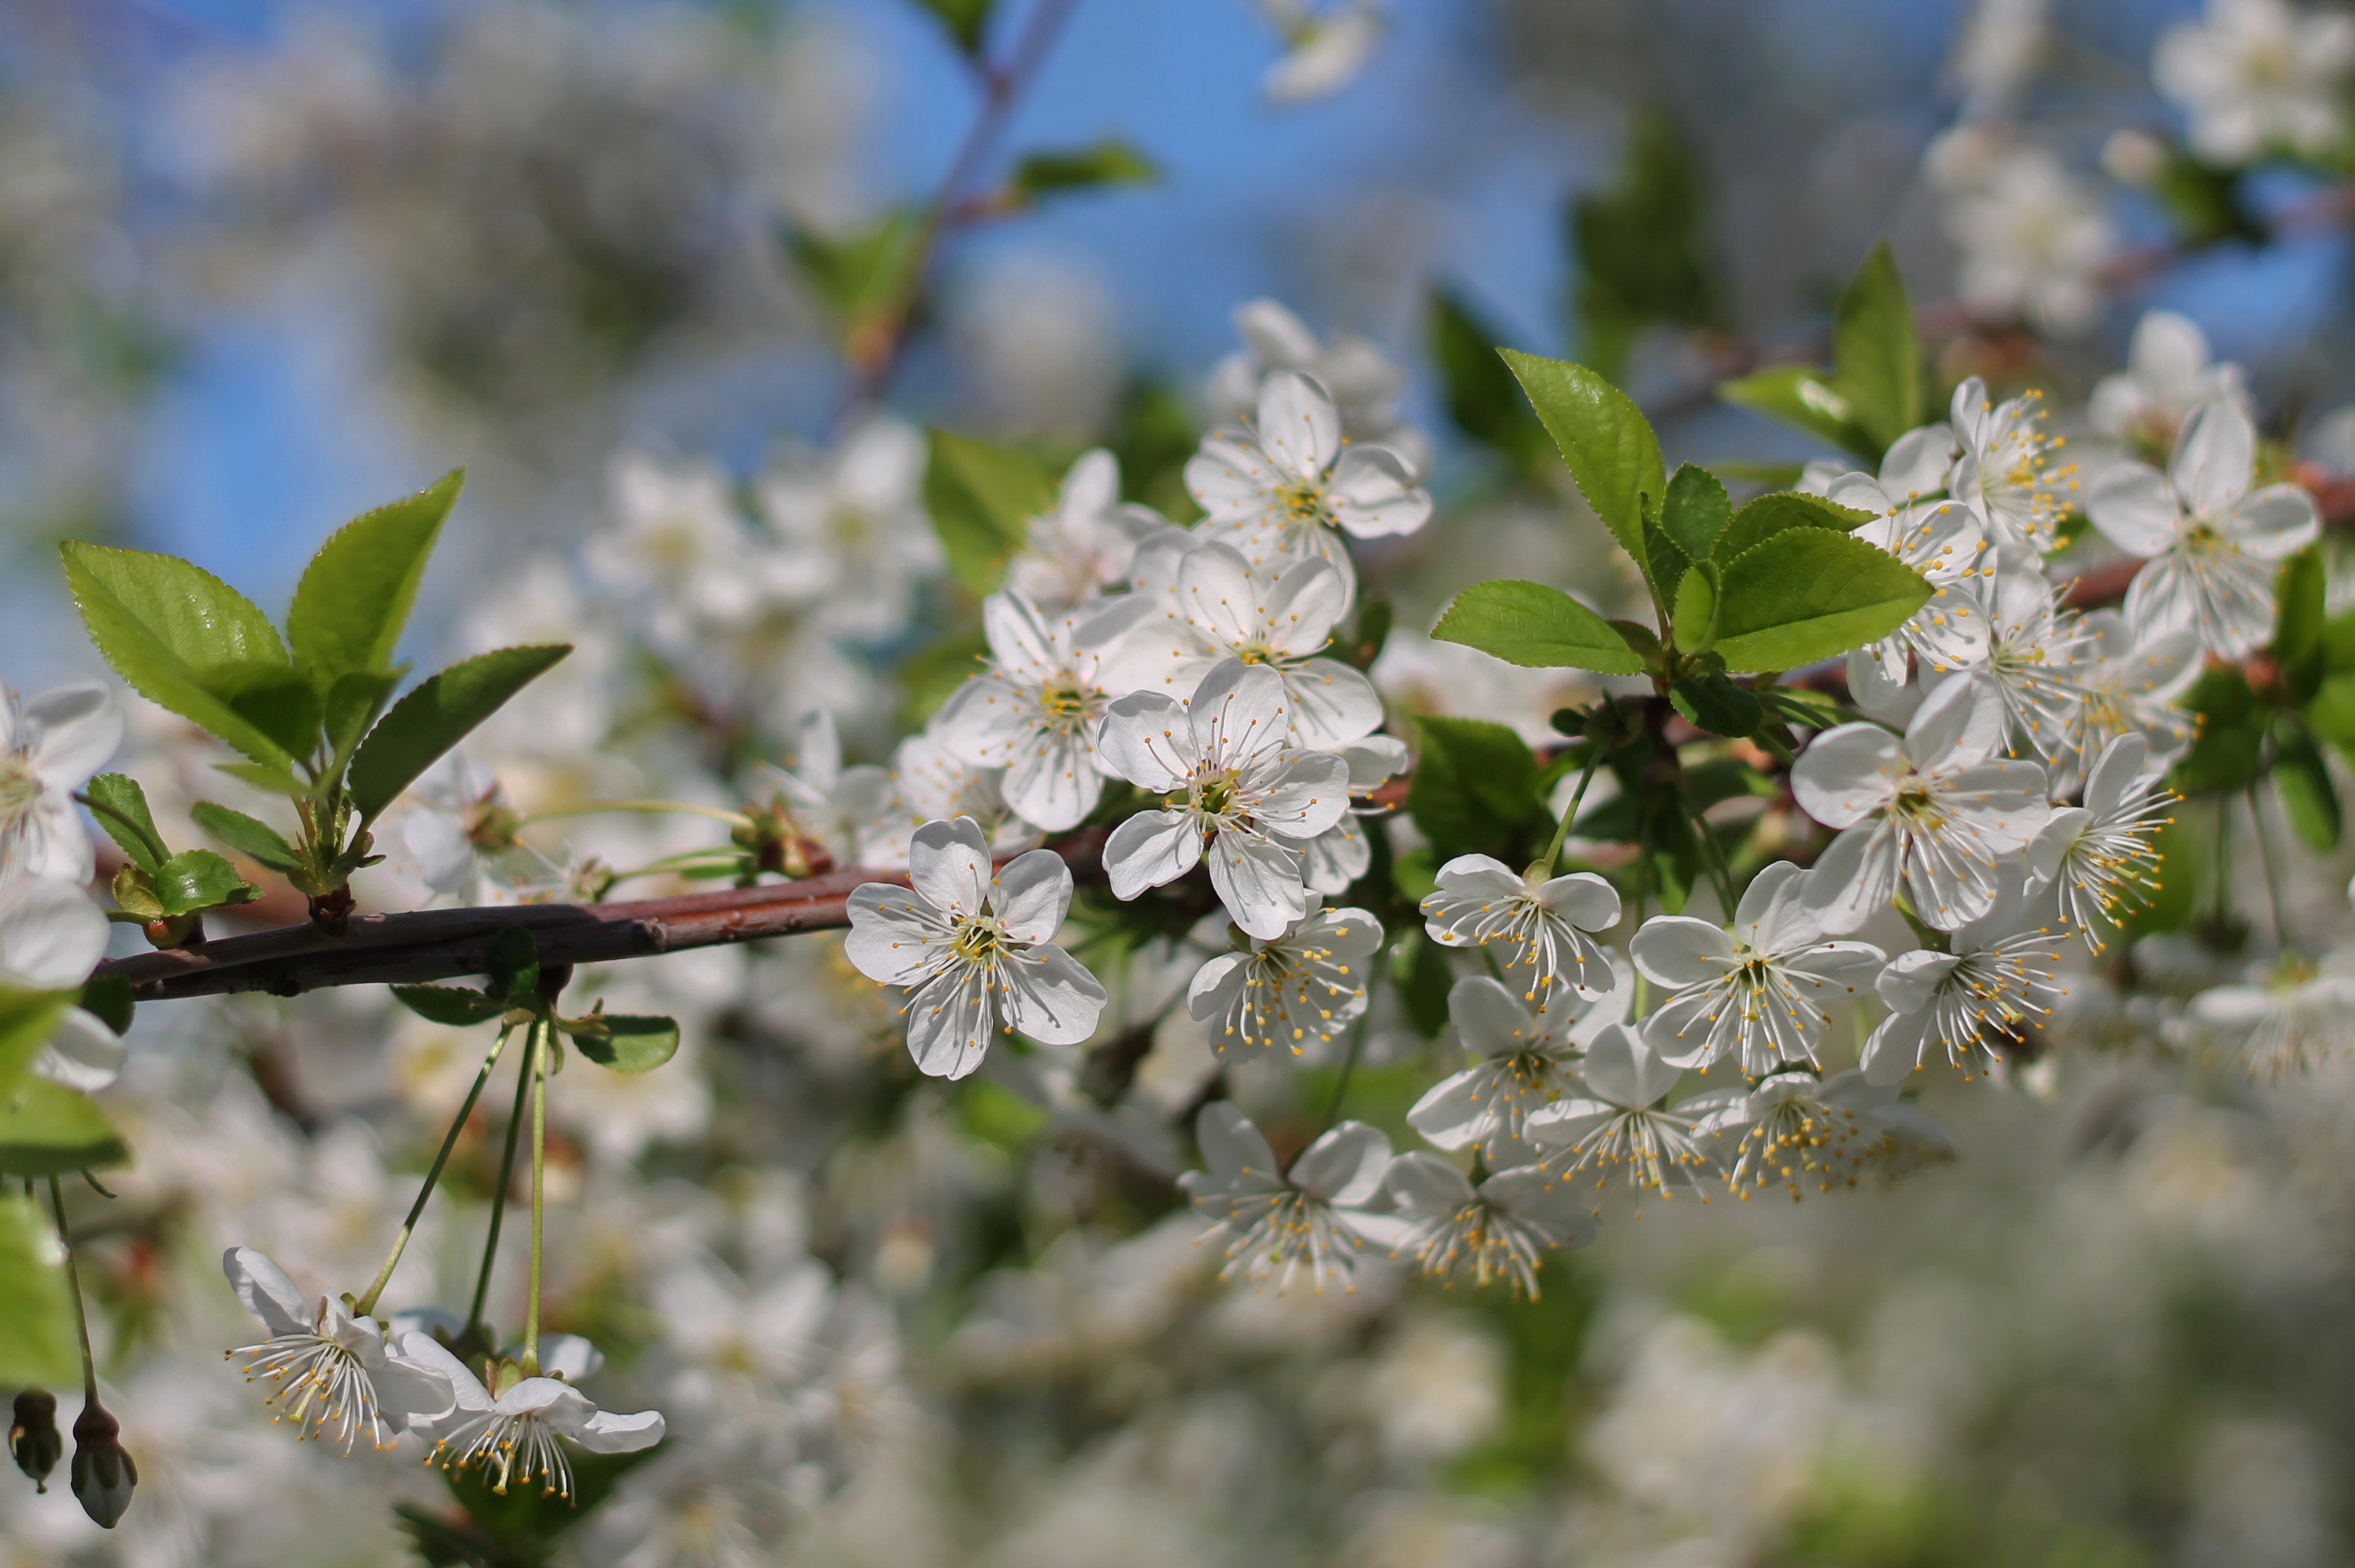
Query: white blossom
(1324, 50)
(2006, 473)
(2033, 645)
(2259, 75)
(514, 1431)
(1619, 1118)
(1362, 381)
(2214, 545)
(2034, 239)
(2169, 374)
(1543, 926)
(2292, 1020)
(1085, 545)
(1995, 985)
(858, 511)
(2100, 858)
(1498, 1232)
(2127, 683)
(49, 747)
(1235, 792)
(1293, 991)
(1941, 541)
(1929, 814)
(1795, 1127)
(684, 548)
(930, 784)
(1519, 1062)
(967, 942)
(330, 1367)
(1282, 1225)
(1763, 995)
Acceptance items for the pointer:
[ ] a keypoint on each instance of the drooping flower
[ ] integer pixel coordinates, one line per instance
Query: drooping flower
(971, 946)
(1085, 545)
(1286, 485)
(331, 1368)
(1519, 1062)
(1035, 710)
(1620, 1120)
(1220, 608)
(2169, 374)
(2006, 473)
(2259, 75)
(1498, 1232)
(2214, 545)
(513, 1430)
(1542, 929)
(1761, 997)
(1296, 990)
(1282, 1225)
(1928, 814)
(1795, 1127)
(1235, 791)
(2101, 856)
(2292, 1020)
(1995, 986)
(49, 747)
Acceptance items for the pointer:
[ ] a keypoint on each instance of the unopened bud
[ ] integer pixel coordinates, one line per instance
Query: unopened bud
(103, 1475)
(34, 1441)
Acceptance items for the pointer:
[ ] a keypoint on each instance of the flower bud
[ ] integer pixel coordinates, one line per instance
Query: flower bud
(103, 1475)
(34, 1441)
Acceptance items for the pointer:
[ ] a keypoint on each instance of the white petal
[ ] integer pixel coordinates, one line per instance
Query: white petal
(2214, 457)
(951, 1024)
(1305, 797)
(1298, 426)
(71, 732)
(1453, 1113)
(1490, 1021)
(1957, 725)
(1241, 713)
(1345, 1167)
(897, 937)
(51, 936)
(82, 1053)
(1259, 881)
(1149, 850)
(1847, 773)
(1581, 898)
(1625, 1072)
(267, 1292)
(1423, 1183)
(1050, 997)
(1854, 879)
(1676, 951)
(1231, 1147)
(1307, 601)
(948, 863)
(1031, 895)
(1373, 496)
(1331, 704)
(2135, 508)
(1052, 782)
(2276, 522)
(1150, 740)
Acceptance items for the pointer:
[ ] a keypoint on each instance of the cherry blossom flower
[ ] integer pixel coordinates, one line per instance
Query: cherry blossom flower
(683, 546)
(1282, 1225)
(332, 1367)
(1996, 984)
(2005, 473)
(2033, 647)
(1795, 1126)
(2127, 683)
(2033, 239)
(966, 943)
(2214, 545)
(1929, 814)
(2101, 856)
(1362, 381)
(49, 747)
(1235, 791)
(1086, 544)
(2292, 1020)
(1941, 541)
(1036, 711)
(1761, 996)
(1543, 927)
(1619, 1119)
(513, 1430)
(2168, 375)
(1498, 1232)
(1519, 1061)
(931, 784)
(1286, 485)
(2259, 75)
(1294, 991)
(859, 511)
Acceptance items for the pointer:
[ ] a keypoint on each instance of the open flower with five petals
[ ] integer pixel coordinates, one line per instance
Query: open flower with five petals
(2103, 856)
(1234, 790)
(1540, 926)
(1281, 1225)
(974, 947)
(1521, 1062)
(1496, 1232)
(332, 1369)
(513, 1430)
(1619, 1119)
(1295, 991)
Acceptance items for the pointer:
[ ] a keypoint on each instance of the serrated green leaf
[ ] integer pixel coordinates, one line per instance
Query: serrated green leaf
(451, 1006)
(1807, 595)
(1475, 785)
(1717, 705)
(1801, 396)
(268, 780)
(1695, 511)
(120, 807)
(39, 1344)
(982, 498)
(1107, 161)
(1763, 516)
(27, 1019)
(194, 880)
(1604, 439)
(625, 1043)
(967, 21)
(1878, 351)
(354, 703)
(2302, 781)
(180, 636)
(1481, 396)
(441, 712)
(282, 703)
(1694, 622)
(355, 595)
(1530, 625)
(257, 841)
(48, 1129)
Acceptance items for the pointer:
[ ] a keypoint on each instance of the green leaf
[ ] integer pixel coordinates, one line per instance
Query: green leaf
(2229, 750)
(1878, 351)
(1693, 626)
(2302, 780)
(982, 498)
(1800, 396)
(194, 880)
(1641, 258)
(1763, 516)
(966, 20)
(48, 1129)
(180, 636)
(1717, 705)
(353, 704)
(863, 275)
(27, 1019)
(2338, 643)
(1530, 625)
(512, 966)
(1424, 977)
(1481, 396)
(1808, 594)
(39, 1345)
(1107, 161)
(355, 595)
(1604, 439)
(268, 780)
(257, 841)
(2186, 858)
(282, 703)
(121, 807)
(2299, 622)
(1475, 785)
(2331, 714)
(435, 717)
(451, 1006)
(625, 1043)
(1696, 511)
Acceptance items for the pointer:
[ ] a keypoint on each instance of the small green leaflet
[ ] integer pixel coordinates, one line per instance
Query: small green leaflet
(1808, 594)
(1530, 625)
(355, 595)
(436, 716)
(47, 1129)
(257, 841)
(1604, 439)
(625, 1043)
